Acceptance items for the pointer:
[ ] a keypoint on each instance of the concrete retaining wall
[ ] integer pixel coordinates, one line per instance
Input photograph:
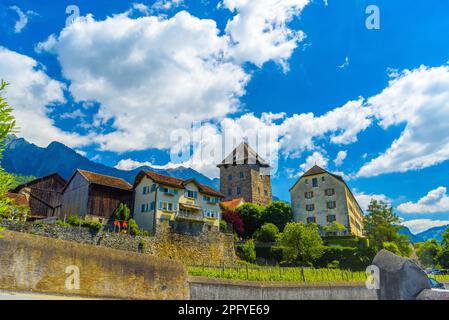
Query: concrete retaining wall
(34, 263)
(211, 289)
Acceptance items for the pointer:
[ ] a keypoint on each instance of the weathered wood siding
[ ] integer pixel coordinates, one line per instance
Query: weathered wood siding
(104, 201)
(45, 196)
(75, 197)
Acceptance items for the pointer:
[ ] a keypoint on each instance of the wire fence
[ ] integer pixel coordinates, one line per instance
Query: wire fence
(273, 274)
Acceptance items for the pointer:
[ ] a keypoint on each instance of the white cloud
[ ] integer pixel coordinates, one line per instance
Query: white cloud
(129, 164)
(421, 225)
(167, 4)
(23, 18)
(31, 95)
(342, 124)
(316, 158)
(151, 75)
(436, 201)
(260, 30)
(341, 156)
(142, 8)
(364, 199)
(345, 64)
(420, 100)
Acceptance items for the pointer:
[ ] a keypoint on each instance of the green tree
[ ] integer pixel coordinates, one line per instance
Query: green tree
(122, 213)
(267, 233)
(445, 235)
(249, 251)
(302, 243)
(278, 213)
(251, 215)
(443, 257)
(7, 125)
(428, 252)
(382, 228)
(334, 228)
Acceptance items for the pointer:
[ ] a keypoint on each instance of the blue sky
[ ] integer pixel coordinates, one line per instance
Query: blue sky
(125, 75)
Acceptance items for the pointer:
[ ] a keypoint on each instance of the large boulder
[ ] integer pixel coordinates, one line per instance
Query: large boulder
(399, 278)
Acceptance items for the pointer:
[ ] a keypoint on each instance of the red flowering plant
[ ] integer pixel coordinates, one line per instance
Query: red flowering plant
(234, 219)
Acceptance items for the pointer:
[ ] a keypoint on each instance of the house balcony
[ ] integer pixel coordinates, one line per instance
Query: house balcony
(189, 216)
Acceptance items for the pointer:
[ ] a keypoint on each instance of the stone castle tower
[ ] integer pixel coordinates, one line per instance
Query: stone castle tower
(243, 174)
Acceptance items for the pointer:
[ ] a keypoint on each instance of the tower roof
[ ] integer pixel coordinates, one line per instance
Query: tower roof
(244, 154)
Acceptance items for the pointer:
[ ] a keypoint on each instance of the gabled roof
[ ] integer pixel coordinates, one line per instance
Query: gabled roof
(231, 205)
(315, 170)
(244, 154)
(176, 183)
(30, 183)
(103, 180)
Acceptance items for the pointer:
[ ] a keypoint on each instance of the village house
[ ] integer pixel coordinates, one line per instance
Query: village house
(244, 174)
(186, 205)
(322, 197)
(43, 196)
(95, 196)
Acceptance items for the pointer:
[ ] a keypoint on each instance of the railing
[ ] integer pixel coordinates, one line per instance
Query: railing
(189, 215)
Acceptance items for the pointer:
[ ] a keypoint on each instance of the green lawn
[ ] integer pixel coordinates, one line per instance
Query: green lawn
(276, 274)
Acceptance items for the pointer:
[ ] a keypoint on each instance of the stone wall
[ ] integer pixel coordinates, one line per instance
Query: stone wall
(45, 265)
(210, 248)
(249, 184)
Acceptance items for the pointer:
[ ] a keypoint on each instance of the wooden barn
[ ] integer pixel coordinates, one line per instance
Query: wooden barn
(44, 195)
(95, 195)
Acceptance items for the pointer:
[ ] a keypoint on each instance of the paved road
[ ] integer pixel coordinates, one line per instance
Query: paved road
(9, 295)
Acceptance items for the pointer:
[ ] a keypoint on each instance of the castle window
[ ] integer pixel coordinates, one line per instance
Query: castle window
(230, 177)
(311, 220)
(310, 207)
(323, 179)
(331, 218)
(315, 182)
(145, 190)
(229, 192)
(306, 181)
(239, 191)
(308, 195)
(258, 190)
(331, 204)
(242, 175)
(143, 208)
(265, 192)
(329, 192)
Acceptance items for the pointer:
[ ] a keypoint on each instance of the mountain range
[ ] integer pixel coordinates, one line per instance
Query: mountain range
(24, 158)
(433, 233)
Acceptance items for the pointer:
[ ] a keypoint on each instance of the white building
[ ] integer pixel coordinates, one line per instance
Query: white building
(187, 205)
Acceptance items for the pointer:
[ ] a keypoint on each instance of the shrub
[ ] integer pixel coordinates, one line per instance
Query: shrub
(278, 213)
(267, 233)
(76, 222)
(234, 219)
(270, 253)
(251, 216)
(303, 243)
(248, 251)
(134, 228)
(348, 258)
